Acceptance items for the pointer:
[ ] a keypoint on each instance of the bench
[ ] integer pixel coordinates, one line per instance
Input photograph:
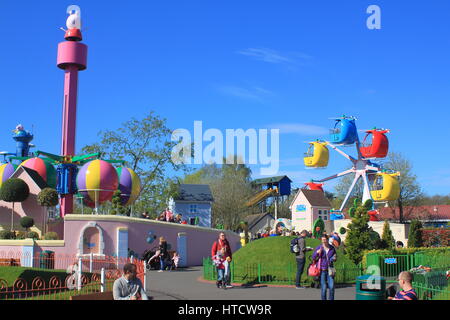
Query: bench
(94, 296)
(10, 262)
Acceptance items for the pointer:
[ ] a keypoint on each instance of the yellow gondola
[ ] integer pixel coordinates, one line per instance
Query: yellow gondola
(386, 187)
(317, 155)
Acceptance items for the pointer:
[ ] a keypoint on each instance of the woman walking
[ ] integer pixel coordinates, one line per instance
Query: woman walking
(325, 254)
(163, 253)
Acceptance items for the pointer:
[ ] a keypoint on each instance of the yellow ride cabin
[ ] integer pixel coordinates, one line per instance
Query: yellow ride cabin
(386, 187)
(317, 155)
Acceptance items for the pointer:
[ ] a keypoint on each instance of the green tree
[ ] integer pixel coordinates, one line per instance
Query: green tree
(48, 197)
(230, 185)
(359, 235)
(387, 239)
(26, 222)
(410, 192)
(146, 147)
(14, 190)
(415, 239)
(116, 204)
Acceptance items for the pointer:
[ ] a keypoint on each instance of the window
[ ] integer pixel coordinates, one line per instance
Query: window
(193, 208)
(320, 212)
(192, 221)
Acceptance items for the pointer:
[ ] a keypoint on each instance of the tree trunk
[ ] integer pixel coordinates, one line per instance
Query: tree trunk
(400, 210)
(12, 217)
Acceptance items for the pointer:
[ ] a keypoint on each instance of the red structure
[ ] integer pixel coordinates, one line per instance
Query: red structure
(72, 57)
(314, 186)
(375, 144)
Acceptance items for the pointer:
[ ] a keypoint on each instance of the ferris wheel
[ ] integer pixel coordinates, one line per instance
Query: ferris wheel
(378, 184)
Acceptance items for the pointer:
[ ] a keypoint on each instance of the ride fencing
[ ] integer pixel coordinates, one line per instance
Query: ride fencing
(57, 277)
(266, 273)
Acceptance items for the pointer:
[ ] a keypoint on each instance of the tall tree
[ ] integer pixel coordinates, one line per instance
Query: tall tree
(230, 186)
(145, 145)
(410, 191)
(359, 236)
(14, 190)
(387, 239)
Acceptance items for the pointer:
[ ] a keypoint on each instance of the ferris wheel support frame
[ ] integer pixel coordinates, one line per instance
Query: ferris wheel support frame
(361, 168)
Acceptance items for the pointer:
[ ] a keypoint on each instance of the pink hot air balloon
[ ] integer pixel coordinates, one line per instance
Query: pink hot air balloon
(97, 181)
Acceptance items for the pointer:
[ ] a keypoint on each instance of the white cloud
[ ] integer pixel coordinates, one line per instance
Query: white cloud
(272, 56)
(252, 93)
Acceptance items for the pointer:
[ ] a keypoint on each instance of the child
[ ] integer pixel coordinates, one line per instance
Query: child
(176, 260)
(218, 261)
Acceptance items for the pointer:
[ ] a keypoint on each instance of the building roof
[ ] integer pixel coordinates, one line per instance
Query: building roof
(270, 180)
(316, 198)
(435, 212)
(253, 219)
(40, 182)
(194, 192)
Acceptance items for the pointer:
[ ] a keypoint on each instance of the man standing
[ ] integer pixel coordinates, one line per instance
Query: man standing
(301, 258)
(220, 243)
(128, 287)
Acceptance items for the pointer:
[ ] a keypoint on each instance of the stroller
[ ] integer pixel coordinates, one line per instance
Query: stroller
(154, 264)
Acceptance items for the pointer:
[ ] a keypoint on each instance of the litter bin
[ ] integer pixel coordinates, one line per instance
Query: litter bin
(370, 287)
(47, 260)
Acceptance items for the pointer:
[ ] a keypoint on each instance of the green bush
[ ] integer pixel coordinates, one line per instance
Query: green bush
(6, 234)
(342, 230)
(368, 204)
(26, 222)
(33, 235)
(51, 236)
(415, 238)
(21, 235)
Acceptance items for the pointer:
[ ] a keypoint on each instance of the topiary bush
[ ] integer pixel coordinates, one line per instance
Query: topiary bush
(26, 222)
(51, 236)
(14, 190)
(342, 230)
(368, 204)
(6, 234)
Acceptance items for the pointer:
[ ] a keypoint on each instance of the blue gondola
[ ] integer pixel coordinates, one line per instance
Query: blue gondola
(344, 131)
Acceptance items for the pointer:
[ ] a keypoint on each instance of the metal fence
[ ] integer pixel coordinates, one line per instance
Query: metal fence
(60, 276)
(266, 273)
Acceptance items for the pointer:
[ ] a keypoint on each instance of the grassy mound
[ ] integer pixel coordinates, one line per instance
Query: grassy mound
(270, 260)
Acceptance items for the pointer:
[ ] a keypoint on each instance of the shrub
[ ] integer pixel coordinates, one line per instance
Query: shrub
(387, 239)
(6, 234)
(26, 222)
(436, 237)
(33, 235)
(415, 234)
(51, 236)
(342, 230)
(21, 235)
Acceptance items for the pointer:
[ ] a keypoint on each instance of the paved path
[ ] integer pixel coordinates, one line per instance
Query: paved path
(186, 284)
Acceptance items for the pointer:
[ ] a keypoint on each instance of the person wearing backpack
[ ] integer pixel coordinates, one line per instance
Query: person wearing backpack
(326, 255)
(298, 246)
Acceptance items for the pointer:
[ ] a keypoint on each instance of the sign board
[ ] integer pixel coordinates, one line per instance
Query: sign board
(390, 260)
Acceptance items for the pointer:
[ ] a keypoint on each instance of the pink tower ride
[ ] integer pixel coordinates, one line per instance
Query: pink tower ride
(72, 57)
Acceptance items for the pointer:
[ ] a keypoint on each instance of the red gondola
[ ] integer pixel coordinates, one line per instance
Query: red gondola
(314, 186)
(375, 144)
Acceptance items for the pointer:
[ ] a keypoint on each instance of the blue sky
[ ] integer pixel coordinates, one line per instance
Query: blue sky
(239, 64)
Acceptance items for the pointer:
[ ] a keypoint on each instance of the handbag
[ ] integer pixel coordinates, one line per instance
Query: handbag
(314, 269)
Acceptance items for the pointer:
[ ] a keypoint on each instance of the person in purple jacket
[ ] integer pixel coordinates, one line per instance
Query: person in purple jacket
(327, 255)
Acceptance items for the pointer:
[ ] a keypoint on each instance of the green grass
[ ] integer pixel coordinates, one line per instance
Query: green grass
(11, 274)
(277, 265)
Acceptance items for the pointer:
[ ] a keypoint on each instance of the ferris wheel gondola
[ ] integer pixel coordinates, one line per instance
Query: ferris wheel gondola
(378, 185)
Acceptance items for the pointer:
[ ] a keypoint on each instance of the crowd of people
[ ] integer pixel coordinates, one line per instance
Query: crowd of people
(128, 287)
(168, 216)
